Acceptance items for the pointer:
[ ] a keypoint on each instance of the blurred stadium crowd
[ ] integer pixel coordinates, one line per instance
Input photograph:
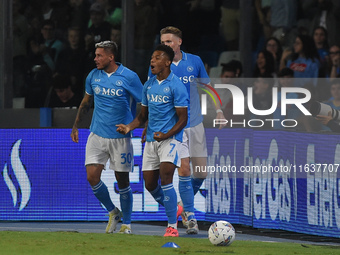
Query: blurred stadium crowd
(54, 40)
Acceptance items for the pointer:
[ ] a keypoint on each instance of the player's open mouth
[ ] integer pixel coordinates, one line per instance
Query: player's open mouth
(152, 67)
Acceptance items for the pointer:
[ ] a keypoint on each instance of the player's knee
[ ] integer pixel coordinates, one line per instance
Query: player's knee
(184, 170)
(151, 179)
(93, 173)
(166, 178)
(92, 179)
(150, 186)
(200, 175)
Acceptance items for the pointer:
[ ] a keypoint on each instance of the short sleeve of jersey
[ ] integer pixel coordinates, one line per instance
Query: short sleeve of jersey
(144, 93)
(135, 87)
(181, 98)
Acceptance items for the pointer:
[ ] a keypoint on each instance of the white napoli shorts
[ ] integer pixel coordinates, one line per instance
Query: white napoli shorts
(194, 144)
(157, 152)
(118, 150)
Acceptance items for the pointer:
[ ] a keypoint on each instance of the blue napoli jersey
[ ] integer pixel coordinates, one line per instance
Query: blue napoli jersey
(188, 69)
(115, 99)
(162, 100)
(306, 70)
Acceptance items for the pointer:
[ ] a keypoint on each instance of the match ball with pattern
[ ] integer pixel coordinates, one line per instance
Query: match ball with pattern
(221, 233)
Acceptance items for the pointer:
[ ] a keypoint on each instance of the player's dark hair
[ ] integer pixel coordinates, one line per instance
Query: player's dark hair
(171, 30)
(167, 50)
(110, 46)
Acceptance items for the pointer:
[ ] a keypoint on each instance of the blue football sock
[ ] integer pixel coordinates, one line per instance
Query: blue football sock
(126, 204)
(158, 195)
(170, 203)
(186, 192)
(196, 184)
(102, 194)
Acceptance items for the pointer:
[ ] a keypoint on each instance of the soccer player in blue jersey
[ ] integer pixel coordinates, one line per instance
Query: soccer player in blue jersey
(189, 67)
(115, 90)
(164, 105)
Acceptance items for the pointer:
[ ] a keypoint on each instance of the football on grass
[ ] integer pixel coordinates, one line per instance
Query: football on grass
(221, 233)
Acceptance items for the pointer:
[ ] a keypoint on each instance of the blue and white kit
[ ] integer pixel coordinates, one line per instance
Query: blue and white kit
(161, 98)
(114, 97)
(189, 68)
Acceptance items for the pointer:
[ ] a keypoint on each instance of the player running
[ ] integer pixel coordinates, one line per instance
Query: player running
(164, 105)
(115, 90)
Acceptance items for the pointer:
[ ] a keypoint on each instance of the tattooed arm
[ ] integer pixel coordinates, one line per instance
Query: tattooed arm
(84, 108)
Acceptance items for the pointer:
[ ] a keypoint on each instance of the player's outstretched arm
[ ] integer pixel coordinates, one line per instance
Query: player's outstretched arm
(84, 108)
(137, 122)
(182, 113)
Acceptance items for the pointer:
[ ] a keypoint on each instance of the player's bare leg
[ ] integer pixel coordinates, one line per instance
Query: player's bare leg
(199, 163)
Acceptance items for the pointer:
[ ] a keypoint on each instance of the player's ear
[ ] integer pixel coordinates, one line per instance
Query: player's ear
(112, 57)
(180, 41)
(168, 63)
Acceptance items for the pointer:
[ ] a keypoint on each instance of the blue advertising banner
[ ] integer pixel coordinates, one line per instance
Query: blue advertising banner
(266, 179)
(44, 178)
(275, 180)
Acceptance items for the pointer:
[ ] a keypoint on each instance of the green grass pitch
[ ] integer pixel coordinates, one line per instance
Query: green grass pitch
(43, 243)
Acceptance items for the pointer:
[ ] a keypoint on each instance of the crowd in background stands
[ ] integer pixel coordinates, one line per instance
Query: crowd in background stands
(54, 41)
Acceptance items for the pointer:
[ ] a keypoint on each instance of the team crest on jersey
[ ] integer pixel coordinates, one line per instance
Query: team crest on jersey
(190, 69)
(97, 80)
(119, 83)
(149, 87)
(97, 90)
(166, 90)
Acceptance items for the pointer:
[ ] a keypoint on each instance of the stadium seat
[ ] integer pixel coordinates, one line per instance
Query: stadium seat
(215, 72)
(227, 56)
